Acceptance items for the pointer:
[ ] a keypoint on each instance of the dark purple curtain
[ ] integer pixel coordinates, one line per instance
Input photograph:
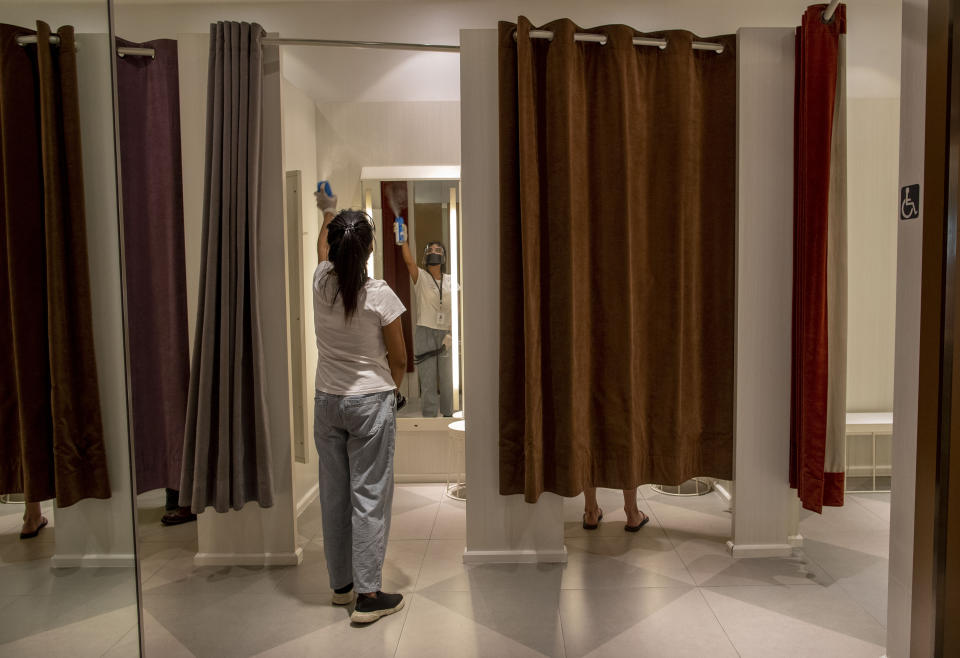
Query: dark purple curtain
(156, 288)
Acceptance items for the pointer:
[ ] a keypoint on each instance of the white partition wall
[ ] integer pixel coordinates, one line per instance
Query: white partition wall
(499, 528)
(253, 535)
(765, 508)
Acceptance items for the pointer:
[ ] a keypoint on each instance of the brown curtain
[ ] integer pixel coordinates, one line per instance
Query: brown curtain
(818, 392)
(617, 186)
(226, 449)
(51, 434)
(148, 95)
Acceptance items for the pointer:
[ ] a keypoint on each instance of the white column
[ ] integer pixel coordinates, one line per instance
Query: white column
(254, 535)
(499, 528)
(764, 505)
(913, 104)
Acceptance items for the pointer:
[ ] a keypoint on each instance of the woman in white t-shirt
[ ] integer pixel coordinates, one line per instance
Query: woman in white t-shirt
(431, 336)
(361, 362)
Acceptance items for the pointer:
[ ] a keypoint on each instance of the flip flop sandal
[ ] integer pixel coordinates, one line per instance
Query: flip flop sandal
(592, 526)
(31, 535)
(635, 528)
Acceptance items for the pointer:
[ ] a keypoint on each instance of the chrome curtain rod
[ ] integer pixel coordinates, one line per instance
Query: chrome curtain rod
(32, 38)
(382, 45)
(123, 51)
(829, 11)
(637, 41)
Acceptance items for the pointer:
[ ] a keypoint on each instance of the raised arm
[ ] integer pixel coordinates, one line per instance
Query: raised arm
(327, 203)
(396, 350)
(410, 262)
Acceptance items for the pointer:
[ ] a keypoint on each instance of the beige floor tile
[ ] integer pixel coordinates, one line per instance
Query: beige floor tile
(481, 623)
(443, 570)
(92, 636)
(643, 559)
(674, 622)
(451, 522)
(795, 622)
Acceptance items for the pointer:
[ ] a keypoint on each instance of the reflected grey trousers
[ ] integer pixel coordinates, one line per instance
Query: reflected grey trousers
(355, 437)
(434, 373)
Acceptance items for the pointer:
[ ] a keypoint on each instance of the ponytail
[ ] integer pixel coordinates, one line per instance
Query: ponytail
(350, 235)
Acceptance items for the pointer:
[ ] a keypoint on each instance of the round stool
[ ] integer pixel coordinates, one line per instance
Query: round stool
(692, 487)
(456, 485)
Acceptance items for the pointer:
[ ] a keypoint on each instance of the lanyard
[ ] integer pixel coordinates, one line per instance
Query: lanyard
(439, 286)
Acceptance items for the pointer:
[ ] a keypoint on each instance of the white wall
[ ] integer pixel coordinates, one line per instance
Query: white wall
(300, 153)
(355, 135)
(873, 145)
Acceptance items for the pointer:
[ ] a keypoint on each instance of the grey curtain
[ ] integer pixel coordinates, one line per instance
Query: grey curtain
(226, 452)
(154, 260)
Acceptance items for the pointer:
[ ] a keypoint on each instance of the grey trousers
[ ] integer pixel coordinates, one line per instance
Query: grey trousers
(355, 437)
(434, 373)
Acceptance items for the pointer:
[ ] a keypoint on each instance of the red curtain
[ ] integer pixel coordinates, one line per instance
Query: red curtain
(819, 277)
(393, 196)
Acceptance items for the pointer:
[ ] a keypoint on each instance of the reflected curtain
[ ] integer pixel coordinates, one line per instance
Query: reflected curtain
(154, 260)
(617, 192)
(818, 391)
(51, 432)
(226, 452)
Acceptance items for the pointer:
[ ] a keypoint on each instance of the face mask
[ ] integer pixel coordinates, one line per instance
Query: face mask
(434, 259)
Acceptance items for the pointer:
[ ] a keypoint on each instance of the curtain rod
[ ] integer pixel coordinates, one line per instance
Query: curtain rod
(828, 12)
(383, 45)
(123, 51)
(27, 39)
(637, 41)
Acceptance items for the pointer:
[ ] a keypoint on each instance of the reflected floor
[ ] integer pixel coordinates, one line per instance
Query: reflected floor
(58, 612)
(669, 590)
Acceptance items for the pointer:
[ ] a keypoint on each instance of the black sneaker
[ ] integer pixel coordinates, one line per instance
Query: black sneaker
(370, 609)
(343, 595)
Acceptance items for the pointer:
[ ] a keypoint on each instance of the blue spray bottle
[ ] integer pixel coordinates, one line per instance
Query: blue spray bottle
(399, 230)
(324, 186)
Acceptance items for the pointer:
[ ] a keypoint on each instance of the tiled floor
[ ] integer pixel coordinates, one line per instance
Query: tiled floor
(670, 590)
(53, 612)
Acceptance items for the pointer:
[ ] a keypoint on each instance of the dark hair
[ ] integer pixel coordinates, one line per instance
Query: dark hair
(350, 235)
(443, 268)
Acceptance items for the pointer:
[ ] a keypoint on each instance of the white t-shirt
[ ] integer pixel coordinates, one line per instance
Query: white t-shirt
(352, 355)
(430, 311)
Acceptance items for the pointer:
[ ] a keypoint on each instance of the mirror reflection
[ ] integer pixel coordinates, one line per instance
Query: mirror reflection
(67, 564)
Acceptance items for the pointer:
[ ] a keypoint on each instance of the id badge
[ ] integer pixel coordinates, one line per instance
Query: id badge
(441, 316)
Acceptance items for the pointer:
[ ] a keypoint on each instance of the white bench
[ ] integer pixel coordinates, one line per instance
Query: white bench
(872, 424)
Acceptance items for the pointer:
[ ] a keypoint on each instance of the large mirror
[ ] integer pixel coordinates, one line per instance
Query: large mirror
(67, 556)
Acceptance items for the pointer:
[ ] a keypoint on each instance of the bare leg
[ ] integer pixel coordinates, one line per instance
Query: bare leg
(591, 511)
(32, 518)
(634, 515)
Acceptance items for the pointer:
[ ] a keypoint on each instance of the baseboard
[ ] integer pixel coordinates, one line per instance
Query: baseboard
(419, 478)
(759, 550)
(312, 494)
(84, 560)
(248, 559)
(795, 540)
(514, 557)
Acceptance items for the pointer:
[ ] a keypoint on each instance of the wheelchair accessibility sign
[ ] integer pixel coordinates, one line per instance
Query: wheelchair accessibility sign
(910, 201)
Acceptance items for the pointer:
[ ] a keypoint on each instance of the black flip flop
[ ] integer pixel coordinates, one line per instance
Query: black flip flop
(592, 526)
(176, 518)
(636, 528)
(31, 535)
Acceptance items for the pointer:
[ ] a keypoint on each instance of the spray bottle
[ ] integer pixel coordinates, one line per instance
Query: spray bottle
(399, 230)
(324, 188)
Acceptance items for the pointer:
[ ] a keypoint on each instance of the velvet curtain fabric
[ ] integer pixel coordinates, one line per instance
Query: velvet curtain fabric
(51, 433)
(818, 392)
(393, 196)
(154, 259)
(617, 189)
(227, 459)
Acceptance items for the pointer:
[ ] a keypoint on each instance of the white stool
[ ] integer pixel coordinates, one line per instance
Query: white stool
(456, 485)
